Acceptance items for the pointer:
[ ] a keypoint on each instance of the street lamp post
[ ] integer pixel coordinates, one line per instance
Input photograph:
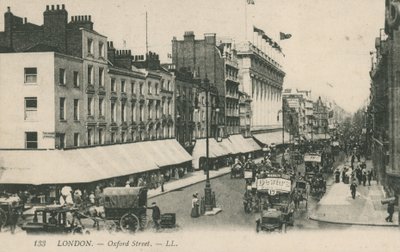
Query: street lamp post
(207, 190)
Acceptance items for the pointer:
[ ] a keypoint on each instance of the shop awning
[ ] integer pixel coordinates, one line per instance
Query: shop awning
(243, 145)
(216, 149)
(88, 164)
(272, 137)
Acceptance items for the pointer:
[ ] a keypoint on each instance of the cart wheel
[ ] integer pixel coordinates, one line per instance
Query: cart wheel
(111, 226)
(129, 223)
(3, 218)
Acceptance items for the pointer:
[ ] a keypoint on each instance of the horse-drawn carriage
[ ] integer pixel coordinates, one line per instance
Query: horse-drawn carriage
(275, 202)
(301, 191)
(54, 219)
(312, 162)
(318, 186)
(10, 208)
(125, 208)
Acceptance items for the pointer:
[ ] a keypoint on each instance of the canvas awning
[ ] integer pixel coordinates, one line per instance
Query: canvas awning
(216, 149)
(88, 164)
(272, 137)
(243, 145)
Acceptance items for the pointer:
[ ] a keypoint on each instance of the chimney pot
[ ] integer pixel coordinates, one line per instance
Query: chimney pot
(86, 18)
(90, 17)
(8, 9)
(25, 20)
(58, 6)
(47, 7)
(63, 6)
(52, 7)
(72, 19)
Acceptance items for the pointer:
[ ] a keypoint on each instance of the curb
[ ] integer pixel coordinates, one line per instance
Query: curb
(350, 223)
(184, 186)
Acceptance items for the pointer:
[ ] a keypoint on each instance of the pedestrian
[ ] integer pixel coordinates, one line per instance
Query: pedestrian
(353, 187)
(369, 176)
(162, 181)
(156, 215)
(390, 210)
(14, 216)
(195, 207)
(364, 176)
(92, 198)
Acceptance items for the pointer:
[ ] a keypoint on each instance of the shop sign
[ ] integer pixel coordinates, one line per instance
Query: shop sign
(312, 158)
(274, 184)
(49, 134)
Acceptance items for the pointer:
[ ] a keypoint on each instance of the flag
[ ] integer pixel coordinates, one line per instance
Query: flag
(250, 2)
(285, 36)
(259, 31)
(267, 39)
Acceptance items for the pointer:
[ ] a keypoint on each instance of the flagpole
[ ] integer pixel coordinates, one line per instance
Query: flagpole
(147, 43)
(245, 20)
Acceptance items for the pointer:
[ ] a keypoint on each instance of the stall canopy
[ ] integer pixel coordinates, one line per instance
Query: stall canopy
(243, 145)
(235, 144)
(216, 149)
(272, 137)
(88, 164)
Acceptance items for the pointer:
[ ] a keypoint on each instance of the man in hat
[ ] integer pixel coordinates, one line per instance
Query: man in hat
(156, 215)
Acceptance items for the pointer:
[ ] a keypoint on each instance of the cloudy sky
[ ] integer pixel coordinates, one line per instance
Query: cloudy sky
(330, 43)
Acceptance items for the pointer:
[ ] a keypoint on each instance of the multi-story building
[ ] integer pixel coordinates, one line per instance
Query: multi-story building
(79, 69)
(296, 104)
(188, 124)
(245, 114)
(228, 52)
(262, 78)
(203, 59)
(321, 120)
(384, 108)
(157, 100)
(63, 86)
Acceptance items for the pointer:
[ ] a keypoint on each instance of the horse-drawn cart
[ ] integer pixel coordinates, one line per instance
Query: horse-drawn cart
(10, 207)
(125, 208)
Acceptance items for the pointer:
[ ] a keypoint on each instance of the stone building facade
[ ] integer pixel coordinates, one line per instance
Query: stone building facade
(88, 91)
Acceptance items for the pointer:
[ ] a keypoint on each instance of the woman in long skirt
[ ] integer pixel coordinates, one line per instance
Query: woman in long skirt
(195, 207)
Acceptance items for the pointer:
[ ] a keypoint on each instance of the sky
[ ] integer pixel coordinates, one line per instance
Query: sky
(331, 40)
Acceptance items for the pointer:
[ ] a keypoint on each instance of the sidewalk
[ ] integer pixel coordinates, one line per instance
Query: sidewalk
(337, 206)
(190, 179)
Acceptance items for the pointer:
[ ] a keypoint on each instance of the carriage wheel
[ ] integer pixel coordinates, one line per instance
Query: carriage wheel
(3, 218)
(129, 223)
(110, 226)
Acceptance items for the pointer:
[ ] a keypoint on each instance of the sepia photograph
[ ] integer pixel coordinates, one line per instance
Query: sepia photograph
(199, 125)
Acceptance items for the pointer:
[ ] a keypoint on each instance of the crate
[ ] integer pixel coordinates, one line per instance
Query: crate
(168, 220)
